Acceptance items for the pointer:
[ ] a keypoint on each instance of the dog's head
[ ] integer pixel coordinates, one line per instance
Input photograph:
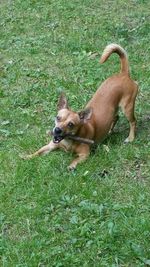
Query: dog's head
(68, 122)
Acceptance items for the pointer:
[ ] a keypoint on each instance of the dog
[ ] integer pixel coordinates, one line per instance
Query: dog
(100, 114)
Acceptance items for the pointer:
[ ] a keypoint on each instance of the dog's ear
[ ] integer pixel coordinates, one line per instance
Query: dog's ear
(85, 114)
(62, 102)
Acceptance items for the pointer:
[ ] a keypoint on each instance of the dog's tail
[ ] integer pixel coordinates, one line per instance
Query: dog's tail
(114, 48)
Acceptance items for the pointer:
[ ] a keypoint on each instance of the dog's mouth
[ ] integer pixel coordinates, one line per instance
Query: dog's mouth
(57, 138)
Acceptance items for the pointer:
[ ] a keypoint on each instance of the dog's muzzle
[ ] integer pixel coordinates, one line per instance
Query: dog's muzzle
(58, 135)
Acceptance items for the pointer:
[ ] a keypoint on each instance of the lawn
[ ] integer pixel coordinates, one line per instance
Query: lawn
(98, 215)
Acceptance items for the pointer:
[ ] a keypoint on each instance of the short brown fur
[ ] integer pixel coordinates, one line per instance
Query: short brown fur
(100, 114)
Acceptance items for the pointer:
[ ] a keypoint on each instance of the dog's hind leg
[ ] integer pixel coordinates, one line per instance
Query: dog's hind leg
(128, 111)
(116, 118)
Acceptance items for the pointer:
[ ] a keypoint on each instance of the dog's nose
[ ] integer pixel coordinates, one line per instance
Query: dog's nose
(57, 130)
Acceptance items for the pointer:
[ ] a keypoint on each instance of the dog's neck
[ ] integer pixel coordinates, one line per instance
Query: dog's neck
(86, 130)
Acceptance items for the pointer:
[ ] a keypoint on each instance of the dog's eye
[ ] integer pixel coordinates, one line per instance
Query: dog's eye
(70, 124)
(58, 118)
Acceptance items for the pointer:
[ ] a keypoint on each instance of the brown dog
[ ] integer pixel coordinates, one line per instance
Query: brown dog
(100, 114)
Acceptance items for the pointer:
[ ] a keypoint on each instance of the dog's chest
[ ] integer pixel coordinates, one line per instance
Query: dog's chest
(66, 144)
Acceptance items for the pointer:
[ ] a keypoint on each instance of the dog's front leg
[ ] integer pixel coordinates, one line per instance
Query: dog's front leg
(43, 150)
(82, 152)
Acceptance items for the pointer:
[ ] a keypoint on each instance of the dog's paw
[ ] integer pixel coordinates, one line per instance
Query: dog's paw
(71, 167)
(128, 140)
(110, 132)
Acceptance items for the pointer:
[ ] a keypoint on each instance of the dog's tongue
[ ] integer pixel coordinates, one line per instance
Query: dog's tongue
(57, 139)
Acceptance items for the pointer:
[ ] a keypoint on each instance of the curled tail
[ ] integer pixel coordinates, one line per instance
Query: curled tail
(114, 48)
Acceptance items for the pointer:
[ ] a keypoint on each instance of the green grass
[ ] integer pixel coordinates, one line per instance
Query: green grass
(98, 215)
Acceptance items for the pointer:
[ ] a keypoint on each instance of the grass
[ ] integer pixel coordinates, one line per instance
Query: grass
(98, 215)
